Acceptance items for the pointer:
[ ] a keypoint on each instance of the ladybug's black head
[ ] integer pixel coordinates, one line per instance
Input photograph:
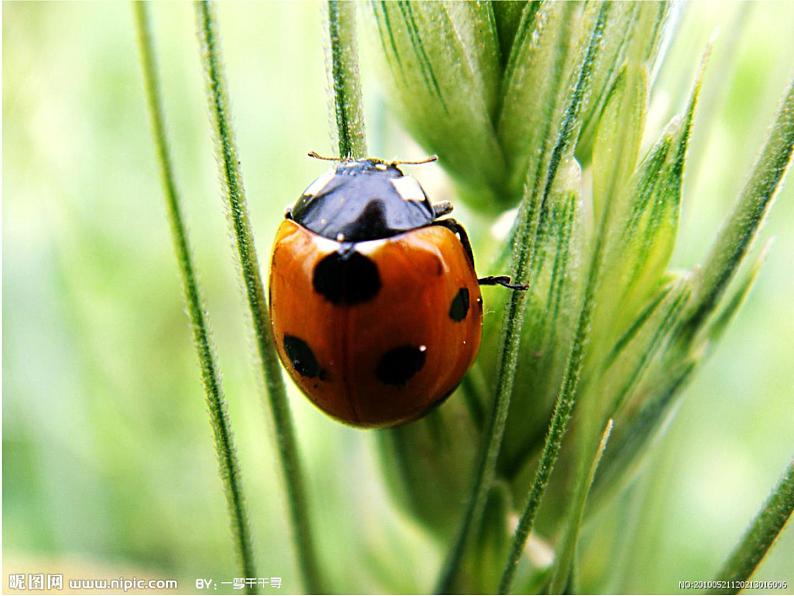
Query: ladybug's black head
(363, 200)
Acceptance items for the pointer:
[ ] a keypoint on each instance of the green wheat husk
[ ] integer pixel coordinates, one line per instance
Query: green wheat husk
(606, 331)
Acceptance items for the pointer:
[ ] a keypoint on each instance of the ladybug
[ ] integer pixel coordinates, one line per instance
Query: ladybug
(376, 308)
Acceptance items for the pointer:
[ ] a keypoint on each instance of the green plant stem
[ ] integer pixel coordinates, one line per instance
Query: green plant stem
(563, 406)
(558, 426)
(762, 533)
(494, 431)
(254, 292)
(343, 74)
(210, 375)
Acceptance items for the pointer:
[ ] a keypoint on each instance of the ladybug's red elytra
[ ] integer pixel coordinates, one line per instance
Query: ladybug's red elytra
(375, 304)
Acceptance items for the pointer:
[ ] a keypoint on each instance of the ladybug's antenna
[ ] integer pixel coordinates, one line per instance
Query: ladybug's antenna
(316, 155)
(400, 162)
(396, 162)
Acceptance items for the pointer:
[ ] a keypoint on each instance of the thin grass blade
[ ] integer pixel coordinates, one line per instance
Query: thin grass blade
(237, 209)
(229, 467)
(722, 319)
(566, 550)
(549, 325)
(564, 406)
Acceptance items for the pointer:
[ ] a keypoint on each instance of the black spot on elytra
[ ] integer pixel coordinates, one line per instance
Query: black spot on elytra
(302, 357)
(460, 305)
(398, 365)
(346, 277)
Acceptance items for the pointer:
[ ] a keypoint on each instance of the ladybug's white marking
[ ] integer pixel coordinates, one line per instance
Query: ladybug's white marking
(408, 188)
(318, 185)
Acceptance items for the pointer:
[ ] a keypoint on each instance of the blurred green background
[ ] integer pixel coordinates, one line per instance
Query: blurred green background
(107, 459)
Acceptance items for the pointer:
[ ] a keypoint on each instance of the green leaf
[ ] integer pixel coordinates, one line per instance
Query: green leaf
(644, 230)
(643, 234)
(760, 536)
(474, 26)
(736, 236)
(645, 243)
(444, 72)
(646, 35)
(671, 364)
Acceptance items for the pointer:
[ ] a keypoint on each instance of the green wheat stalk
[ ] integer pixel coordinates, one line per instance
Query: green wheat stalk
(343, 73)
(565, 567)
(567, 395)
(762, 533)
(234, 196)
(210, 375)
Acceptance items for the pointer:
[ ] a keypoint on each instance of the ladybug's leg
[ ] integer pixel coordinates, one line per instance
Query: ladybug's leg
(492, 280)
(501, 280)
(442, 208)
